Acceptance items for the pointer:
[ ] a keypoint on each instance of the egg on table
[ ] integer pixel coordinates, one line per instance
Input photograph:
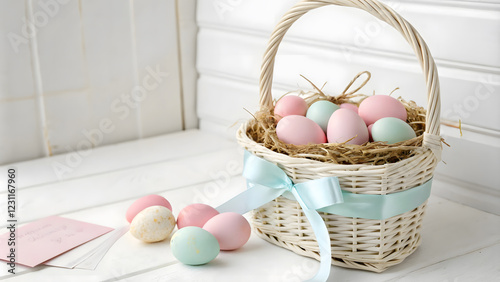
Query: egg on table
(193, 245)
(320, 112)
(195, 215)
(344, 125)
(153, 224)
(299, 130)
(144, 202)
(231, 229)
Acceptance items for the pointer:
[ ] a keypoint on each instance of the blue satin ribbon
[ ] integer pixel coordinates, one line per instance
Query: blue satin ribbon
(267, 181)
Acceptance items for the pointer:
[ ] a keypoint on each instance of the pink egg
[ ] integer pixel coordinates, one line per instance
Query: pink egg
(376, 107)
(195, 215)
(348, 106)
(345, 124)
(231, 229)
(299, 130)
(145, 202)
(290, 105)
(370, 132)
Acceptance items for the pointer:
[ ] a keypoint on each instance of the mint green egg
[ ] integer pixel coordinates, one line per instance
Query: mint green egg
(193, 245)
(392, 130)
(320, 112)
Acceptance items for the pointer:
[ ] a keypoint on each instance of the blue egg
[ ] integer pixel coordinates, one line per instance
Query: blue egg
(320, 112)
(392, 130)
(193, 245)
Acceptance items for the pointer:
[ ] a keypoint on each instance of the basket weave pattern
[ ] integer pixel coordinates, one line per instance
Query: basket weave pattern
(356, 243)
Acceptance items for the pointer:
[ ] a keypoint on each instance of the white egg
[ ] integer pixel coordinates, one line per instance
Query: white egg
(153, 224)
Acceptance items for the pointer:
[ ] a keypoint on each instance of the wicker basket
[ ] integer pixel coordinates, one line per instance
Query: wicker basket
(356, 242)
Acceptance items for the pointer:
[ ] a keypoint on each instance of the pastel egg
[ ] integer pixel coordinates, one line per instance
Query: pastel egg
(193, 245)
(376, 107)
(299, 130)
(349, 106)
(392, 130)
(290, 105)
(320, 112)
(370, 132)
(153, 224)
(144, 202)
(231, 229)
(195, 215)
(345, 124)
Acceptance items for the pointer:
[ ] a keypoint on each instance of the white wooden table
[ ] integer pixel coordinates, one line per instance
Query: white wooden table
(459, 243)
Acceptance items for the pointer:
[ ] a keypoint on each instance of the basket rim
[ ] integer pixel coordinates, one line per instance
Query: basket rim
(241, 135)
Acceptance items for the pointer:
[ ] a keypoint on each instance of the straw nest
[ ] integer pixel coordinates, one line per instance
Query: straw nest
(262, 129)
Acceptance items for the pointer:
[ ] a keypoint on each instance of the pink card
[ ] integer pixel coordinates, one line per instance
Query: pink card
(49, 237)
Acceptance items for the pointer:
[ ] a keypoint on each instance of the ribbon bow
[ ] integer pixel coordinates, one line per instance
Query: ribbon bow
(267, 181)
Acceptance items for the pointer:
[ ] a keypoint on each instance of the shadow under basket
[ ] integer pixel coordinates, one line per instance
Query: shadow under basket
(361, 243)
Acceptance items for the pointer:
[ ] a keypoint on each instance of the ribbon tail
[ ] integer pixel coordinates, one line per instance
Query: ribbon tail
(255, 196)
(322, 237)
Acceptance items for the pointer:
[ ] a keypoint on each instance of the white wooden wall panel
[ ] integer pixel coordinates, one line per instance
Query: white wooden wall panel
(224, 100)
(16, 77)
(188, 31)
(62, 72)
(69, 116)
(18, 108)
(81, 68)
(333, 44)
(107, 33)
(461, 24)
(19, 118)
(473, 165)
(157, 49)
(59, 40)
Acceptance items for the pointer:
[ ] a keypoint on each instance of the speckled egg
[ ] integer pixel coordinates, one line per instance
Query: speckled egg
(320, 112)
(392, 130)
(193, 245)
(153, 224)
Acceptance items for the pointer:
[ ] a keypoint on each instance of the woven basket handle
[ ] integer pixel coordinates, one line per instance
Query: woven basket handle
(383, 13)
